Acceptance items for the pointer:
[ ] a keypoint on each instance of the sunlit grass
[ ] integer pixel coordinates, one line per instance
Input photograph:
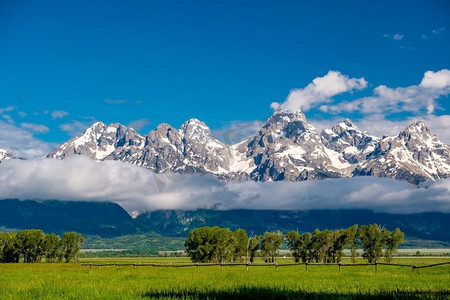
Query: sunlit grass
(71, 281)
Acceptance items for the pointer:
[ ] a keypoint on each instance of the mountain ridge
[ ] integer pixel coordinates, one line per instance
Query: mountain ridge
(108, 219)
(287, 147)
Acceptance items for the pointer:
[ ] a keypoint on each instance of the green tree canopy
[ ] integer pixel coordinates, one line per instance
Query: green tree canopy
(271, 243)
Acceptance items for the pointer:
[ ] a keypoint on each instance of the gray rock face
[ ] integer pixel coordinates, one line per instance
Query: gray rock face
(285, 148)
(352, 144)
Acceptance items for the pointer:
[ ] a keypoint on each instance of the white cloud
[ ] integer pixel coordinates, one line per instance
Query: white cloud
(436, 80)
(59, 114)
(320, 91)
(79, 178)
(22, 114)
(22, 142)
(415, 98)
(139, 124)
(35, 128)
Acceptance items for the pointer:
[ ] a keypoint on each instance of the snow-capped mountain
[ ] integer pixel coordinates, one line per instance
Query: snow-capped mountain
(5, 155)
(99, 141)
(414, 155)
(287, 147)
(190, 149)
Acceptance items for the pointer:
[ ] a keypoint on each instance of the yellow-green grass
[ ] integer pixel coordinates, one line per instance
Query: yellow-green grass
(71, 281)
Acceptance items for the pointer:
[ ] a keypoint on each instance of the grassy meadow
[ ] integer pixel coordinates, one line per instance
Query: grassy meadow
(71, 281)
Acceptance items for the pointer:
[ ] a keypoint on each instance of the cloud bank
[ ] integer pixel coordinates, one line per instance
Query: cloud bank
(135, 188)
(416, 99)
(320, 90)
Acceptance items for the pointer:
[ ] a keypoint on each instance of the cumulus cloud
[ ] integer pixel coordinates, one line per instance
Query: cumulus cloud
(22, 142)
(436, 80)
(35, 128)
(237, 131)
(59, 114)
(320, 90)
(135, 188)
(415, 98)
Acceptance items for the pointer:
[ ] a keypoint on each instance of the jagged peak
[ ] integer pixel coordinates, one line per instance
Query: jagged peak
(419, 127)
(116, 125)
(194, 129)
(164, 127)
(193, 122)
(286, 116)
(98, 128)
(97, 124)
(347, 124)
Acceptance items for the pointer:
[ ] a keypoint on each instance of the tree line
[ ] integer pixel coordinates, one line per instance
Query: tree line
(214, 244)
(33, 245)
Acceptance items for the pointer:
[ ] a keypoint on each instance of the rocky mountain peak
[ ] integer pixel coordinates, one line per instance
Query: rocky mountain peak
(164, 134)
(286, 116)
(418, 135)
(418, 128)
(195, 130)
(98, 141)
(163, 130)
(345, 125)
(284, 124)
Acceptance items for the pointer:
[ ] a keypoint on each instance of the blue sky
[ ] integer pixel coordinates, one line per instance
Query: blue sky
(66, 64)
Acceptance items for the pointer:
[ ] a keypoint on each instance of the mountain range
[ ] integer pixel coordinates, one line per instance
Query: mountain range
(287, 147)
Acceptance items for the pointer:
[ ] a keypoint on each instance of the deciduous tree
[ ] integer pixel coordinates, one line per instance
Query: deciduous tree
(270, 244)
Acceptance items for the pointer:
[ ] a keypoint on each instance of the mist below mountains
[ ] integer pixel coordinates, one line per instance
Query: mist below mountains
(136, 188)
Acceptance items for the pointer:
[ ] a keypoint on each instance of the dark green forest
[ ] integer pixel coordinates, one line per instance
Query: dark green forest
(33, 245)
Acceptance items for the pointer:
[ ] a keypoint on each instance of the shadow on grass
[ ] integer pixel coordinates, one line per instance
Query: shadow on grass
(278, 294)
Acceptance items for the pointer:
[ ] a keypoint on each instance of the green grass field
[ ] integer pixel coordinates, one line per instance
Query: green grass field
(71, 281)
